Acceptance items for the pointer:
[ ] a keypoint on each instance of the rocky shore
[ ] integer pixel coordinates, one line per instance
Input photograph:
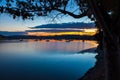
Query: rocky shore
(98, 71)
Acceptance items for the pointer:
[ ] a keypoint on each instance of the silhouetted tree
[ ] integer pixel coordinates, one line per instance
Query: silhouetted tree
(105, 13)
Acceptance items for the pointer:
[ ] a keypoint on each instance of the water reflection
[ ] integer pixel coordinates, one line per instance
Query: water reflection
(39, 60)
(43, 46)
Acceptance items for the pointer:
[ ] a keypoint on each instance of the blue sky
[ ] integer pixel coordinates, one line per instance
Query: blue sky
(7, 23)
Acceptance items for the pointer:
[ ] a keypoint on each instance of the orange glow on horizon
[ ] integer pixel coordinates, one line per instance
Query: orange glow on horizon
(89, 32)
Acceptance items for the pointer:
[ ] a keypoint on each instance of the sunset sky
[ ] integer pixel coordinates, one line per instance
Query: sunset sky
(18, 25)
(7, 23)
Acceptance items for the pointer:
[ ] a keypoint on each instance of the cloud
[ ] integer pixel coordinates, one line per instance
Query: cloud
(66, 25)
(55, 30)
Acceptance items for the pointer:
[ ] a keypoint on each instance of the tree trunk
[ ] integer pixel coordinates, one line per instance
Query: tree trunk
(112, 58)
(111, 41)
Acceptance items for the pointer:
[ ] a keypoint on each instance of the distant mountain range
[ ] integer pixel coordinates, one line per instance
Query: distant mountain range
(7, 33)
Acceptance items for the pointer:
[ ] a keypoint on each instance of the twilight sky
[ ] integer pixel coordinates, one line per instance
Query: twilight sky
(9, 24)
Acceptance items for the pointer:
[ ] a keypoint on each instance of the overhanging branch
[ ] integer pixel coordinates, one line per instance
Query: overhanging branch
(71, 14)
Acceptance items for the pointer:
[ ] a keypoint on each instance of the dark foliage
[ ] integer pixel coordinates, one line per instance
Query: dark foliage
(27, 9)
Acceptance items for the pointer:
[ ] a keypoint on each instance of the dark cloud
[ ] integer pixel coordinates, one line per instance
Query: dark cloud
(54, 30)
(66, 25)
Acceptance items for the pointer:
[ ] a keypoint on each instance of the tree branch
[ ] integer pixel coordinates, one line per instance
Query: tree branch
(70, 13)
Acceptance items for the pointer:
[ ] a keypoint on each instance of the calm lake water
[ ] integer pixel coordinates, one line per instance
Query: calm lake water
(41, 60)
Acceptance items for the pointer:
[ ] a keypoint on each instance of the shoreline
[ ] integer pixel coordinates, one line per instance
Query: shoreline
(90, 50)
(98, 71)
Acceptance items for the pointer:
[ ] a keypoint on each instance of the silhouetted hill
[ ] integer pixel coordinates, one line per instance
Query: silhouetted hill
(67, 37)
(1, 36)
(7, 33)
